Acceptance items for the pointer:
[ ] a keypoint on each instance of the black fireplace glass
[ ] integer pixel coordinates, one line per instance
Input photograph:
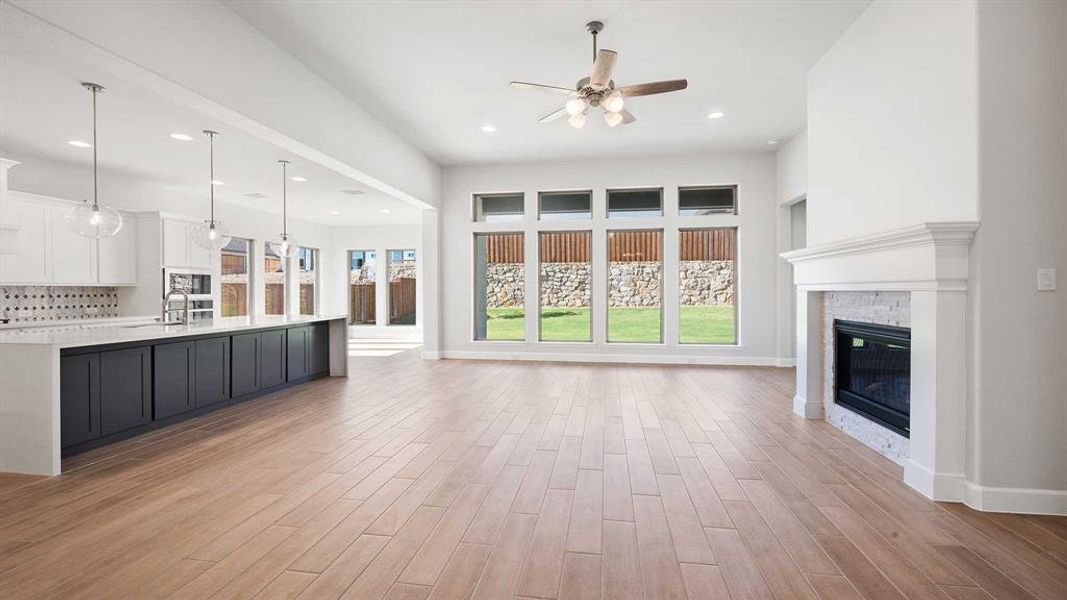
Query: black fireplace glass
(873, 372)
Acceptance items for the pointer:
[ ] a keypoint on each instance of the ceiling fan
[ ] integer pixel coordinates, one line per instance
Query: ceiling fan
(598, 90)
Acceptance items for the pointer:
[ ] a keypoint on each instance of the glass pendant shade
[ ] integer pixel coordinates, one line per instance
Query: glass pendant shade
(210, 234)
(284, 246)
(94, 220)
(612, 118)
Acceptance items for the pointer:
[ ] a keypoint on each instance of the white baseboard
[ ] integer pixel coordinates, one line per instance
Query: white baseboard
(659, 359)
(942, 487)
(431, 356)
(808, 410)
(1015, 500)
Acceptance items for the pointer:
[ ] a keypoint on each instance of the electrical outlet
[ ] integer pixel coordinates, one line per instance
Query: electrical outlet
(1046, 280)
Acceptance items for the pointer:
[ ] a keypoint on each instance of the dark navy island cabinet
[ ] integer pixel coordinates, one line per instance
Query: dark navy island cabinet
(111, 392)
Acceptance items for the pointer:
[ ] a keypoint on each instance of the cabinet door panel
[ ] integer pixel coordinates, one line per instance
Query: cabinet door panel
(174, 379)
(73, 256)
(79, 398)
(212, 371)
(118, 255)
(297, 353)
(28, 236)
(319, 349)
(125, 389)
(272, 365)
(244, 364)
(175, 243)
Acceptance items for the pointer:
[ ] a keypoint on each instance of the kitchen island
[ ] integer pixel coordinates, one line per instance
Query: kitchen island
(69, 389)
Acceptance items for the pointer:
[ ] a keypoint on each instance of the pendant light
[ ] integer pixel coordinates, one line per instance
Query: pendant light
(211, 234)
(94, 220)
(285, 246)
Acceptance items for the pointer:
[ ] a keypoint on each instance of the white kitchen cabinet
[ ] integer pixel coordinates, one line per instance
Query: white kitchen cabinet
(118, 255)
(175, 243)
(73, 255)
(27, 257)
(179, 250)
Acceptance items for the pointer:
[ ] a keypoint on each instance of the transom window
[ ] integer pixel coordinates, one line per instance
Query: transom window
(635, 203)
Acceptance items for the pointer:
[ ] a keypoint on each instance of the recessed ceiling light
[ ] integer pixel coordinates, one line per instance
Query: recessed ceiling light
(80, 144)
(181, 137)
(255, 195)
(772, 142)
(385, 210)
(335, 212)
(489, 128)
(299, 179)
(716, 114)
(353, 192)
(217, 182)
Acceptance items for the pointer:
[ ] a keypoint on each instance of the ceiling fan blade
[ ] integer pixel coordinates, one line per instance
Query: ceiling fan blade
(552, 116)
(656, 87)
(552, 89)
(627, 117)
(603, 68)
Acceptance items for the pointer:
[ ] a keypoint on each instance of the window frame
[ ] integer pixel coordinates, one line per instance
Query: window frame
(282, 261)
(474, 289)
(592, 295)
(662, 279)
(475, 208)
(542, 193)
(389, 286)
(607, 202)
(316, 286)
(736, 285)
(732, 186)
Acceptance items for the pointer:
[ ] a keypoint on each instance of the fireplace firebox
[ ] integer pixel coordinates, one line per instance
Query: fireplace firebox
(872, 372)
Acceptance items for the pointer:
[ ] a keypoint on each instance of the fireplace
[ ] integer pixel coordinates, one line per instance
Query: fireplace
(872, 372)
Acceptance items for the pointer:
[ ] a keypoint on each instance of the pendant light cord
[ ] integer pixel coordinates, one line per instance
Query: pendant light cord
(285, 231)
(96, 202)
(211, 183)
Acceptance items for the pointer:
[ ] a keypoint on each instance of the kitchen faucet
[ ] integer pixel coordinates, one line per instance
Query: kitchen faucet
(185, 306)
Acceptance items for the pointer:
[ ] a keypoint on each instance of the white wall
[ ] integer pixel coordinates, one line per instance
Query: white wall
(791, 185)
(379, 238)
(755, 177)
(1020, 416)
(891, 122)
(791, 168)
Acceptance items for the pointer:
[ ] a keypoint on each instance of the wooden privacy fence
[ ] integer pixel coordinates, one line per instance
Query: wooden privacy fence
(233, 264)
(623, 246)
(275, 298)
(361, 307)
(707, 244)
(402, 301)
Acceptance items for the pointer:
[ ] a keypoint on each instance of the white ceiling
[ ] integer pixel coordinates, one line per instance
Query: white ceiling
(436, 72)
(42, 106)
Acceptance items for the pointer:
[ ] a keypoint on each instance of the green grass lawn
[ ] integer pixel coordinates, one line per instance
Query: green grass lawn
(700, 324)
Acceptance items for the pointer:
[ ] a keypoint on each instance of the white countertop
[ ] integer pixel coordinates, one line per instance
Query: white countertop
(96, 333)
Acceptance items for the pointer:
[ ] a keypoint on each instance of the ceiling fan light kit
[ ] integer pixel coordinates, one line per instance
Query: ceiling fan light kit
(598, 89)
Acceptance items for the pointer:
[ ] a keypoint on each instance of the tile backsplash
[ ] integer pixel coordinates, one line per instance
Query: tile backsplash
(37, 303)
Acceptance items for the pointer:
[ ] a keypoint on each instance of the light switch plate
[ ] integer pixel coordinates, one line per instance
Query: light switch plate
(1046, 280)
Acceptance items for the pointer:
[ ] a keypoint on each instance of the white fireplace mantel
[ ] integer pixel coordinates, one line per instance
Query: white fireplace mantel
(932, 261)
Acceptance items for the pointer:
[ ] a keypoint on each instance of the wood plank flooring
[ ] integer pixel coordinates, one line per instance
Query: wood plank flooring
(452, 479)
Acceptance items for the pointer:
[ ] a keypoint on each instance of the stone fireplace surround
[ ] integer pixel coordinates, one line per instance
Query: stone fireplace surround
(931, 263)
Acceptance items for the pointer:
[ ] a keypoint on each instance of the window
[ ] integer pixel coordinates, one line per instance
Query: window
(273, 282)
(558, 206)
(635, 203)
(707, 286)
(235, 283)
(499, 208)
(499, 287)
(308, 273)
(566, 282)
(708, 200)
(635, 281)
(362, 271)
(401, 271)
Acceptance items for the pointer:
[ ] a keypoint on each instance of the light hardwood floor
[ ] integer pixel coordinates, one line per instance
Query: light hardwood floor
(494, 480)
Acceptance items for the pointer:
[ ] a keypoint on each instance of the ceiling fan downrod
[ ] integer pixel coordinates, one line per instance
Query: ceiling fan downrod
(594, 27)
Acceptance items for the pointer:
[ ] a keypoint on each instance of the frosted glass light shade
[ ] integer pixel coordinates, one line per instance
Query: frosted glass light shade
(612, 118)
(285, 246)
(577, 121)
(614, 103)
(576, 106)
(94, 221)
(211, 234)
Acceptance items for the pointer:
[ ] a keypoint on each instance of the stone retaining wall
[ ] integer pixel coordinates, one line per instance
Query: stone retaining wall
(631, 284)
